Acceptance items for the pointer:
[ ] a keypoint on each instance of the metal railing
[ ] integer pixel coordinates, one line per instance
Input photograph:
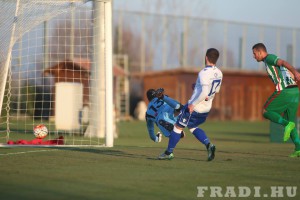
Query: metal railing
(158, 42)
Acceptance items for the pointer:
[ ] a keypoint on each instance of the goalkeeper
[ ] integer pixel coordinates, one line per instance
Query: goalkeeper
(163, 113)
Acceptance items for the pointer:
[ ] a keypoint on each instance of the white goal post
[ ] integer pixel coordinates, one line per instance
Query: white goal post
(56, 69)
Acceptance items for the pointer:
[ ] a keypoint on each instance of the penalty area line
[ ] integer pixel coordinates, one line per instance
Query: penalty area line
(23, 152)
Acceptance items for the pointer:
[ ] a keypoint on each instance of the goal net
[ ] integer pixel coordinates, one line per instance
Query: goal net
(56, 70)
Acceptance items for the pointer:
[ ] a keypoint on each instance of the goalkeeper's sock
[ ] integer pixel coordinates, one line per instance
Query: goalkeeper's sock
(295, 139)
(275, 117)
(201, 136)
(173, 140)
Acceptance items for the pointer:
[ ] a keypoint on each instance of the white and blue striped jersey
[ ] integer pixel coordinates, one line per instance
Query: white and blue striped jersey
(207, 85)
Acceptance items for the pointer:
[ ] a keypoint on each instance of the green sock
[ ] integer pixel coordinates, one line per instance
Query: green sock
(275, 117)
(295, 139)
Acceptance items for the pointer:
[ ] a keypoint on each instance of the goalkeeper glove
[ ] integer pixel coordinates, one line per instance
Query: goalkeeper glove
(160, 93)
(158, 137)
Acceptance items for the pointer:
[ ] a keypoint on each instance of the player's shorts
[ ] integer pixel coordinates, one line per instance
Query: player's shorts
(190, 120)
(286, 100)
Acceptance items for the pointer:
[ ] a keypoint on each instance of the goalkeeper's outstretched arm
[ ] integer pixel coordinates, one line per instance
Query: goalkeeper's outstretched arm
(150, 128)
(171, 102)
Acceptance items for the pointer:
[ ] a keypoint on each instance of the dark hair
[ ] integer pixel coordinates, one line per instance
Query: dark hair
(150, 94)
(212, 55)
(259, 46)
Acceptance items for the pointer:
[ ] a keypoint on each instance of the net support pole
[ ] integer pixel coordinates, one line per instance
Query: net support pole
(109, 76)
(8, 59)
(103, 62)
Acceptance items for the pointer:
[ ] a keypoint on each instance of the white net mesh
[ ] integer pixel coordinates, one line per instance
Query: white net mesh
(48, 68)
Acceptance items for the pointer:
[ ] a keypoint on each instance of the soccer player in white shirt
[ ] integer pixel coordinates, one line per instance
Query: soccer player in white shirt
(196, 110)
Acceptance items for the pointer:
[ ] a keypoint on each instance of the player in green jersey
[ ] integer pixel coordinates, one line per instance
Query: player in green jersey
(282, 106)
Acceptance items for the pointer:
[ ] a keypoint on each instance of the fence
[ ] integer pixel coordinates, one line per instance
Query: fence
(157, 42)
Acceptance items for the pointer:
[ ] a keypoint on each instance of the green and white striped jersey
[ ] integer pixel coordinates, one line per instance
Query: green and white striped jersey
(280, 75)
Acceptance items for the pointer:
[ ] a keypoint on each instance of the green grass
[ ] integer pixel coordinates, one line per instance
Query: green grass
(130, 170)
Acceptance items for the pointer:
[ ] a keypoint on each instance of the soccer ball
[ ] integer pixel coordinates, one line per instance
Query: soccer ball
(40, 131)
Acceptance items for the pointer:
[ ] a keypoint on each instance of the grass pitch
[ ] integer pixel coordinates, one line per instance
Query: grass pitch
(130, 170)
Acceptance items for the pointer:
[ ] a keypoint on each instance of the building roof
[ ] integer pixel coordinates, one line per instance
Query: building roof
(82, 64)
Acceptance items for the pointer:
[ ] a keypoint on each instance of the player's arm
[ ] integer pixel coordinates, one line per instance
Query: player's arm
(201, 91)
(287, 65)
(199, 95)
(170, 101)
(150, 128)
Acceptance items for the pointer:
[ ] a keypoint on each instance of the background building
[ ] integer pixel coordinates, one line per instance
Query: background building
(242, 95)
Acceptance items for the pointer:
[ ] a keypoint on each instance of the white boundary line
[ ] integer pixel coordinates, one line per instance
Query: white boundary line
(47, 146)
(51, 148)
(23, 152)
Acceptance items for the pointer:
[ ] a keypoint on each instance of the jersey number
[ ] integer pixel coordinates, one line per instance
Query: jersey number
(158, 104)
(215, 84)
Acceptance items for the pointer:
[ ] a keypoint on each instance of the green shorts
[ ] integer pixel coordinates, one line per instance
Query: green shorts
(284, 102)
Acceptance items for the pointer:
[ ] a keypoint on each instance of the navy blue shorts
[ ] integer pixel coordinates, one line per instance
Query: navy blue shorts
(190, 120)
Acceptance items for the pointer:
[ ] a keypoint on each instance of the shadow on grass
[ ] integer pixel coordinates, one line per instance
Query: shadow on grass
(118, 153)
(104, 151)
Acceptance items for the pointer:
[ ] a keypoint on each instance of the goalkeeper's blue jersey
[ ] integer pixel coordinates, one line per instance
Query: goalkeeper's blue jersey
(157, 110)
